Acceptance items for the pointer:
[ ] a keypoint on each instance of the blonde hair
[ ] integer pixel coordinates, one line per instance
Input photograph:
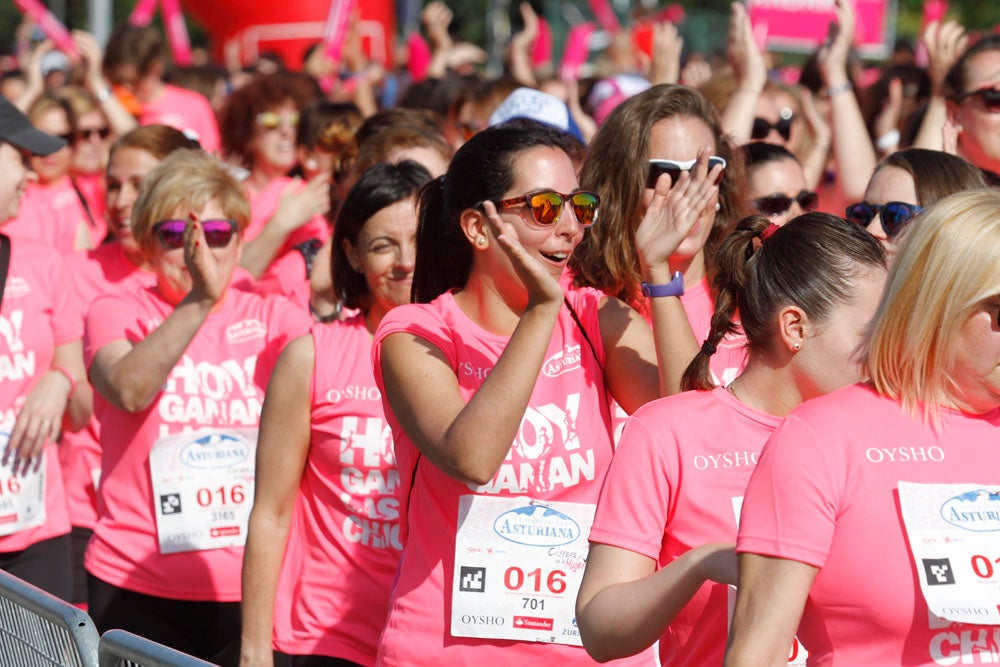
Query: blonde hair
(186, 180)
(948, 264)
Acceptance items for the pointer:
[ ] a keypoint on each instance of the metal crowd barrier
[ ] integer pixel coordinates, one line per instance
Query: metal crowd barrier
(124, 649)
(40, 630)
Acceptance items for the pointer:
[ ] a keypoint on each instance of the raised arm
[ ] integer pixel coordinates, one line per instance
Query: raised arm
(750, 72)
(282, 448)
(945, 42)
(469, 441)
(769, 602)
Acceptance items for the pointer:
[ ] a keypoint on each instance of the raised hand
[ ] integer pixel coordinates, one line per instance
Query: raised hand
(745, 57)
(542, 286)
(675, 210)
(209, 279)
(945, 43)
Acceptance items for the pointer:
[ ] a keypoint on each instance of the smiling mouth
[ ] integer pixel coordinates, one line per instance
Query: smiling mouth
(557, 257)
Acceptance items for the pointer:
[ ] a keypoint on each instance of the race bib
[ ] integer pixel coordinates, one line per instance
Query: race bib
(22, 496)
(797, 654)
(203, 485)
(518, 567)
(954, 535)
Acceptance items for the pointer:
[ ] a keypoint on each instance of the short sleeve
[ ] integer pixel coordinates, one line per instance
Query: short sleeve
(632, 512)
(285, 323)
(419, 320)
(111, 317)
(791, 503)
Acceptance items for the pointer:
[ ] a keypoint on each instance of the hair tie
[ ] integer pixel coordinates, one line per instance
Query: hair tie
(708, 348)
(769, 231)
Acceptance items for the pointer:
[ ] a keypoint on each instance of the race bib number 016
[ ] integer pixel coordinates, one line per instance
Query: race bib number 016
(954, 535)
(22, 496)
(203, 485)
(518, 567)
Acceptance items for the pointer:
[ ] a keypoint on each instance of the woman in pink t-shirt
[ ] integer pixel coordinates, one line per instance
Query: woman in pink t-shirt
(324, 441)
(287, 222)
(668, 511)
(114, 265)
(42, 391)
(869, 524)
(650, 138)
(497, 387)
(180, 368)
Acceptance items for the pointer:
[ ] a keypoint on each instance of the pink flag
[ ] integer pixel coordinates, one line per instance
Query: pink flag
(177, 35)
(541, 50)
(50, 25)
(576, 51)
(142, 13)
(605, 15)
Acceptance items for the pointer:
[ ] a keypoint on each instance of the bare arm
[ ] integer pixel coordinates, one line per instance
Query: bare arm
(945, 43)
(769, 603)
(519, 52)
(469, 441)
(750, 72)
(282, 448)
(625, 604)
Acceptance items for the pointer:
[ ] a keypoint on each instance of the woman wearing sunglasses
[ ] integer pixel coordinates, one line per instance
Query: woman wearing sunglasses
(323, 437)
(844, 535)
(287, 223)
(777, 184)
(497, 386)
(666, 519)
(181, 368)
(973, 90)
(646, 148)
(906, 182)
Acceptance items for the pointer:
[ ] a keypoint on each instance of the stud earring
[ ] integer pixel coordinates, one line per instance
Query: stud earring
(481, 241)
(797, 346)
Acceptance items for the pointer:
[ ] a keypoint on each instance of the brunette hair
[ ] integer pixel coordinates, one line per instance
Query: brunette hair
(142, 47)
(957, 78)
(617, 169)
(157, 140)
(811, 262)
(379, 187)
(936, 174)
(238, 118)
(481, 170)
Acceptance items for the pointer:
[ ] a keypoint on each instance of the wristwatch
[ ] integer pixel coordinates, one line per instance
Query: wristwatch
(674, 288)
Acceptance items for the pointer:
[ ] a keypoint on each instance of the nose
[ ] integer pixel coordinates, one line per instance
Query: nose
(875, 228)
(406, 260)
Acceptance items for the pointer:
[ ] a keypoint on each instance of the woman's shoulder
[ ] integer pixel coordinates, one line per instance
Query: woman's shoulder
(418, 318)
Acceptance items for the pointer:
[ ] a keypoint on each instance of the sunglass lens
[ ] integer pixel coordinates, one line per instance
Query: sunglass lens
(991, 99)
(895, 216)
(773, 205)
(809, 201)
(268, 120)
(585, 208)
(218, 232)
(761, 128)
(657, 170)
(860, 214)
(171, 233)
(546, 207)
(784, 128)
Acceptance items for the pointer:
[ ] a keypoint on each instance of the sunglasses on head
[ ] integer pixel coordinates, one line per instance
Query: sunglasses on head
(218, 233)
(779, 204)
(547, 206)
(990, 98)
(270, 120)
(894, 216)
(91, 132)
(674, 168)
(762, 127)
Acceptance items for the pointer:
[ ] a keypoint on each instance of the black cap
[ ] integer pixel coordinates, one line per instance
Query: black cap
(17, 130)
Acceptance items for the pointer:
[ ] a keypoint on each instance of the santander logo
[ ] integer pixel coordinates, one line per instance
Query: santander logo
(564, 361)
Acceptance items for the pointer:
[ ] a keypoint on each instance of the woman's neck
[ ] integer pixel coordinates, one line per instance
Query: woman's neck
(491, 308)
(262, 174)
(767, 387)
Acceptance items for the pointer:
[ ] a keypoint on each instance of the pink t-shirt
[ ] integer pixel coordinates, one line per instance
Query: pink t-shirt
(679, 465)
(567, 422)
(50, 213)
(218, 383)
(825, 493)
(38, 314)
(345, 544)
(93, 273)
(185, 110)
(287, 272)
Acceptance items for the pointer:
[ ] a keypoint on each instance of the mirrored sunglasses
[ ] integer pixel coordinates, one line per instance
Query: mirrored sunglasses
(547, 206)
(270, 120)
(988, 97)
(218, 233)
(762, 127)
(773, 205)
(894, 216)
(673, 169)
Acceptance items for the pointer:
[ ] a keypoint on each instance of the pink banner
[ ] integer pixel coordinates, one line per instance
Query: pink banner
(177, 34)
(50, 25)
(142, 13)
(576, 51)
(801, 25)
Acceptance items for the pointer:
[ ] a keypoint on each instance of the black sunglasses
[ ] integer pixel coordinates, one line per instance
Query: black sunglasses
(91, 132)
(673, 168)
(990, 98)
(894, 216)
(762, 127)
(773, 205)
